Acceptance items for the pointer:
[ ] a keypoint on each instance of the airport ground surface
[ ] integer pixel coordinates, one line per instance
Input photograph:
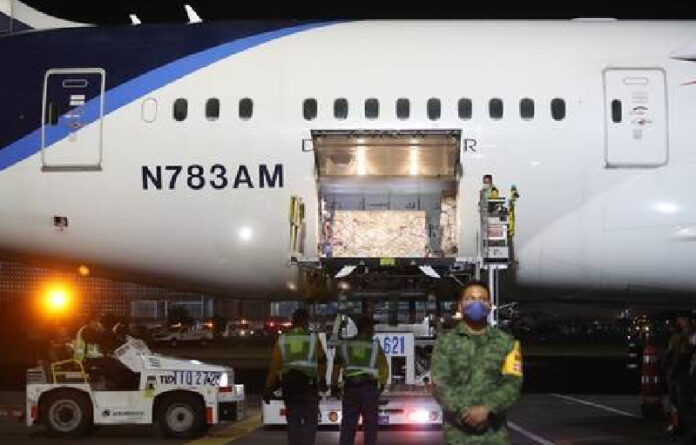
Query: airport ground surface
(569, 398)
(540, 419)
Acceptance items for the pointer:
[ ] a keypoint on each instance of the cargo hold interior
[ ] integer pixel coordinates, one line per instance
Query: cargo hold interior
(387, 193)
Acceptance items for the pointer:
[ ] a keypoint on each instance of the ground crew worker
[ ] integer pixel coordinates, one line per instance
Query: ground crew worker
(477, 373)
(86, 345)
(60, 345)
(681, 386)
(298, 366)
(90, 348)
(365, 372)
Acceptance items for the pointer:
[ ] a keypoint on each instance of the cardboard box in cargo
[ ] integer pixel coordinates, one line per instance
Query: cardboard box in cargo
(379, 233)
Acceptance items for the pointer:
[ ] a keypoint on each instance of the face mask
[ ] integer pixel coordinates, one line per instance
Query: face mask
(476, 311)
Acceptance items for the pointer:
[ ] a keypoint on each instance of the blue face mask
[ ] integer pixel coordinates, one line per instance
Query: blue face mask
(476, 311)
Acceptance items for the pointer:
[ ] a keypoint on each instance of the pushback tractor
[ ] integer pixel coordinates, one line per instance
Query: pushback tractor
(184, 396)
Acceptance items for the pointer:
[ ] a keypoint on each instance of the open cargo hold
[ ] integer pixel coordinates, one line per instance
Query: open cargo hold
(387, 193)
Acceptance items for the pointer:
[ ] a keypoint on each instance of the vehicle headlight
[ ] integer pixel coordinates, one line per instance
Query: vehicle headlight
(224, 379)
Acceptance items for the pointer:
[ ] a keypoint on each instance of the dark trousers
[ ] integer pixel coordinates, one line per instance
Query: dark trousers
(686, 408)
(360, 400)
(303, 417)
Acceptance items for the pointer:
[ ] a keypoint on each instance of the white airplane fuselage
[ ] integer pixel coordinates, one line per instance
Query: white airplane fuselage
(603, 204)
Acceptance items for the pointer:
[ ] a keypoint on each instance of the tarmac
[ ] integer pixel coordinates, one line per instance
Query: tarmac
(537, 419)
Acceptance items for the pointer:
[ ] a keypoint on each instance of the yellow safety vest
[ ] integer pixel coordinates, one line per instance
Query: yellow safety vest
(297, 350)
(84, 350)
(360, 358)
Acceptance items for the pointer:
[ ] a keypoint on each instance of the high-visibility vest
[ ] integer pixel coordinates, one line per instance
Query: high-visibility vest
(360, 358)
(84, 350)
(297, 350)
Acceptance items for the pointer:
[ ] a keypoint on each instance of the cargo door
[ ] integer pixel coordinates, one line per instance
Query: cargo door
(635, 118)
(73, 108)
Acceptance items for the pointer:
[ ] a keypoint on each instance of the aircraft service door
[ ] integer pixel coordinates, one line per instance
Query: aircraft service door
(71, 131)
(635, 104)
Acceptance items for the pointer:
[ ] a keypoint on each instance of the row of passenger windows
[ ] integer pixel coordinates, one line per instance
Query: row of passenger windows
(245, 109)
(434, 108)
(310, 108)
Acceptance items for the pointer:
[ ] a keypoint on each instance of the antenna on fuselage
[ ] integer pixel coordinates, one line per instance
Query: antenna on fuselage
(135, 20)
(192, 14)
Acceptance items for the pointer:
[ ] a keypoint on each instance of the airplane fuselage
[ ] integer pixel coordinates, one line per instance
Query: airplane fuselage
(179, 193)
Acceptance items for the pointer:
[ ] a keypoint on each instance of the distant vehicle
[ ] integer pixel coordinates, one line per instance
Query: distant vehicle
(275, 325)
(183, 396)
(176, 334)
(240, 328)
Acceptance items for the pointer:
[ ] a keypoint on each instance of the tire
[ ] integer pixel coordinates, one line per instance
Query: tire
(181, 415)
(66, 413)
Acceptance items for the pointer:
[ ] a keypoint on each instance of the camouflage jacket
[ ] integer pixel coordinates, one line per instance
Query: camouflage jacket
(469, 369)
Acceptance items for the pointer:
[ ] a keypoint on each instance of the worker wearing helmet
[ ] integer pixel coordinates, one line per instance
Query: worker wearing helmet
(298, 366)
(365, 372)
(477, 373)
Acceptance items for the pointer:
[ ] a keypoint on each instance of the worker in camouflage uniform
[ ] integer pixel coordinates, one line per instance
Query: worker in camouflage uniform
(477, 374)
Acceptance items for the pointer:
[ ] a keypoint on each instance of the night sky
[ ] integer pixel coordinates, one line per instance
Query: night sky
(150, 11)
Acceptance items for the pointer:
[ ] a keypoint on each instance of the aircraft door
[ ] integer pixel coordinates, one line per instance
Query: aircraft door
(635, 103)
(71, 130)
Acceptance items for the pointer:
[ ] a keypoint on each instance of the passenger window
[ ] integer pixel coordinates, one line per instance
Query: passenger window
(371, 108)
(495, 108)
(464, 107)
(212, 109)
(616, 111)
(341, 108)
(434, 109)
(309, 109)
(558, 109)
(527, 109)
(246, 108)
(403, 108)
(180, 109)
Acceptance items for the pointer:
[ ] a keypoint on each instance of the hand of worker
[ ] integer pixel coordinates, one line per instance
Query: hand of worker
(476, 416)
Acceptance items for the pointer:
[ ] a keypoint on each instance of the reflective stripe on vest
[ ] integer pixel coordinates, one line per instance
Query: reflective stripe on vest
(84, 350)
(357, 362)
(297, 352)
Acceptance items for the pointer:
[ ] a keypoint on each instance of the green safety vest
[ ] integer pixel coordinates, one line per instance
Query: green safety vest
(84, 350)
(297, 350)
(360, 358)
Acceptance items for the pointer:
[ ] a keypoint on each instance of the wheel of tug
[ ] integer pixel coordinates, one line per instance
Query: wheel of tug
(181, 415)
(66, 413)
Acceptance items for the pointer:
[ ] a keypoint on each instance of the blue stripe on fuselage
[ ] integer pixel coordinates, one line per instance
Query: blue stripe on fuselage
(139, 86)
(17, 26)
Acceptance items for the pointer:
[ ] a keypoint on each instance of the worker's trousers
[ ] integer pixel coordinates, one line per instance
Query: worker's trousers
(360, 400)
(303, 417)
